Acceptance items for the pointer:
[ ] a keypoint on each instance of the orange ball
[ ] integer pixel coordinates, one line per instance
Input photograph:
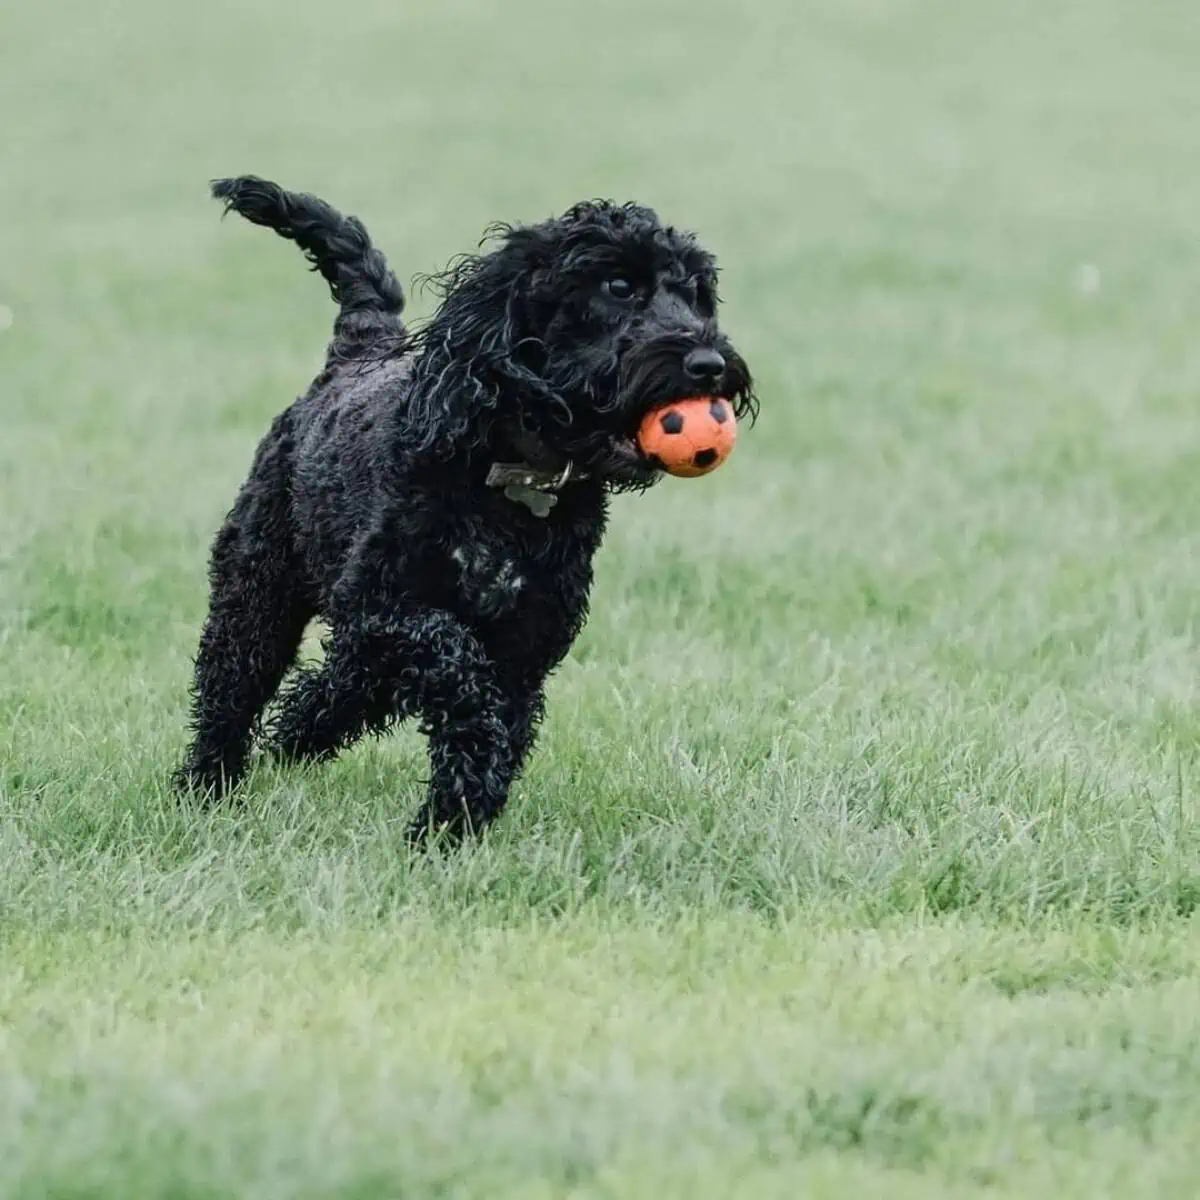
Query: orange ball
(689, 437)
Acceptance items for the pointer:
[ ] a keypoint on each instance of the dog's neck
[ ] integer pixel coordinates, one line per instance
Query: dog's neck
(536, 477)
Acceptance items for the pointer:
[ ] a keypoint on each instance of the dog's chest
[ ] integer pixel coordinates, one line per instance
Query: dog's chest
(491, 578)
(528, 596)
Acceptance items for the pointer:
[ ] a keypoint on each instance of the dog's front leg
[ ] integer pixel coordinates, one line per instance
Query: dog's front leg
(382, 667)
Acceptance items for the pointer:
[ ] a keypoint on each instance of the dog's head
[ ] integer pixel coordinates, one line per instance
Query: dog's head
(565, 334)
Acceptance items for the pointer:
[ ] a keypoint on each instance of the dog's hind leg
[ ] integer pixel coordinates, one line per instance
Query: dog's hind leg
(258, 610)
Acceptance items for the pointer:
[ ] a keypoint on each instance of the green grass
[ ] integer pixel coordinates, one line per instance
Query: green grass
(861, 850)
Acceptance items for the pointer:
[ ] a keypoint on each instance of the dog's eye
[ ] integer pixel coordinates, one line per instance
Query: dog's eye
(619, 288)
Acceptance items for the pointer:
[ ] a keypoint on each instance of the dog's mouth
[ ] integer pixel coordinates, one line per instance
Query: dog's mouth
(609, 452)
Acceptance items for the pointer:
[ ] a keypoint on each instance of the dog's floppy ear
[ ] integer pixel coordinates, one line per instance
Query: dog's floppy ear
(469, 368)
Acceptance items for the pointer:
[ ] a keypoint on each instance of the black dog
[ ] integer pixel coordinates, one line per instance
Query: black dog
(438, 495)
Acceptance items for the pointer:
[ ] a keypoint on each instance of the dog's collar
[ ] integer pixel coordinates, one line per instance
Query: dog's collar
(536, 487)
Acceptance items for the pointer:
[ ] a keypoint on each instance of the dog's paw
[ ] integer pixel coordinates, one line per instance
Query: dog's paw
(491, 583)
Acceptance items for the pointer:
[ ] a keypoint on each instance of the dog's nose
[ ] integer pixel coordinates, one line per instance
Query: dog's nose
(704, 364)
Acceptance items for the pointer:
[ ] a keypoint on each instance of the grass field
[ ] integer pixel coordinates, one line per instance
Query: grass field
(861, 851)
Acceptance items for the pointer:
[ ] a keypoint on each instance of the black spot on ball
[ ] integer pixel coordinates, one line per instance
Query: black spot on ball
(718, 412)
(705, 458)
(671, 422)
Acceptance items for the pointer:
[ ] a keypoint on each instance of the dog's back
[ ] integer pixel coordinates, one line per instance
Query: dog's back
(344, 434)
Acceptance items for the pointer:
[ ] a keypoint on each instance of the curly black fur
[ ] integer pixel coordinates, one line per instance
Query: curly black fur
(367, 502)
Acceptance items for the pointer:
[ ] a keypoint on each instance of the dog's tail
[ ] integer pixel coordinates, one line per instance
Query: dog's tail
(367, 293)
